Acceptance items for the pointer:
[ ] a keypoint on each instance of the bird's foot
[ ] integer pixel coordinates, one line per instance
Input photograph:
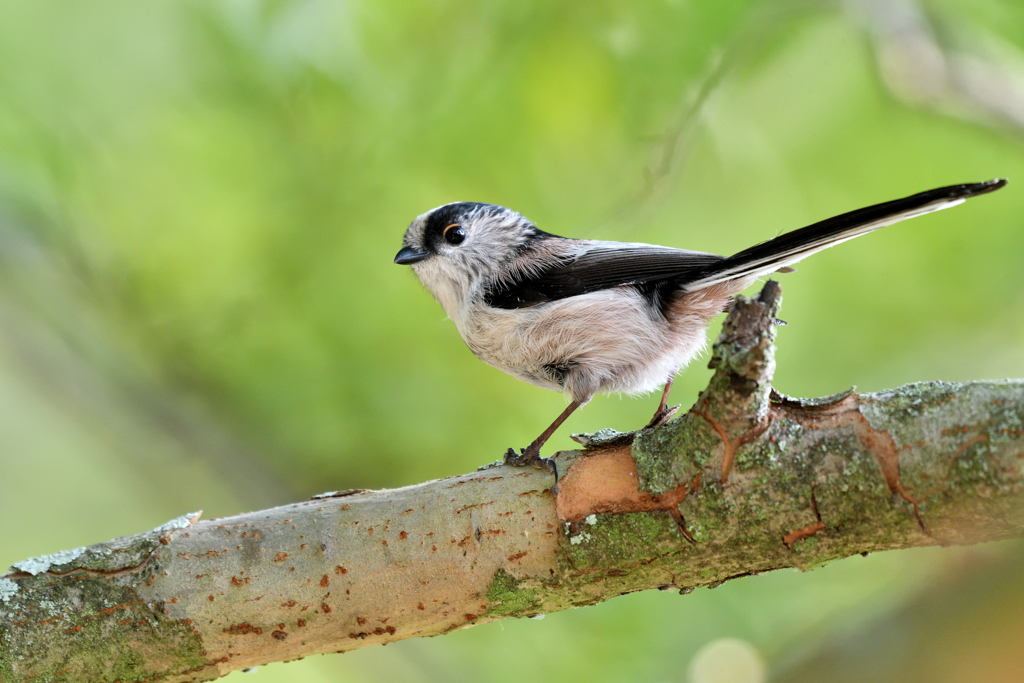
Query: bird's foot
(531, 456)
(663, 415)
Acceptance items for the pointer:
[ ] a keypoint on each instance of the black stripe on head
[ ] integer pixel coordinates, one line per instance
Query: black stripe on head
(441, 217)
(460, 213)
(449, 214)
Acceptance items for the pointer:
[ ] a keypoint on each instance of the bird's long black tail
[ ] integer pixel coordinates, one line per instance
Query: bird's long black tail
(791, 247)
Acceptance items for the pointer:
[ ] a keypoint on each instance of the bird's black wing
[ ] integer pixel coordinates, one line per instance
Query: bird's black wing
(598, 266)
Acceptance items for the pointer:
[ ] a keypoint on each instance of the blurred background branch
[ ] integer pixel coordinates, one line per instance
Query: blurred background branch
(56, 338)
(937, 62)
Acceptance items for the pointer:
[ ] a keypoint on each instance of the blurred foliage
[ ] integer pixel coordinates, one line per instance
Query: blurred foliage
(200, 201)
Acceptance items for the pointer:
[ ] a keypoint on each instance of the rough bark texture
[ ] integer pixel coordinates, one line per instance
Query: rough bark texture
(746, 481)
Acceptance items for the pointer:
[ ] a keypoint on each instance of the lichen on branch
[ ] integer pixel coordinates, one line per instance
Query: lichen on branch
(746, 481)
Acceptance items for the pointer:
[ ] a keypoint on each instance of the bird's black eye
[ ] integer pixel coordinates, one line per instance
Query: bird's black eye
(454, 234)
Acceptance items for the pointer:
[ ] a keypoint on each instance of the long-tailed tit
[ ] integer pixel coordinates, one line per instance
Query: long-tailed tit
(586, 316)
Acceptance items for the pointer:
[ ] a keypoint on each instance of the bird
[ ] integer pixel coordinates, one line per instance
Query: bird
(586, 316)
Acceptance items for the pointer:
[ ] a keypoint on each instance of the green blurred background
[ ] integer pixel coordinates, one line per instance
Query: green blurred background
(200, 202)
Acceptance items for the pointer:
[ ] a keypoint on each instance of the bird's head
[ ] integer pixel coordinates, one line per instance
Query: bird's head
(457, 249)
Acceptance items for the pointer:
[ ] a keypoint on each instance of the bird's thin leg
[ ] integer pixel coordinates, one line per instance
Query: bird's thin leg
(531, 454)
(664, 396)
(663, 414)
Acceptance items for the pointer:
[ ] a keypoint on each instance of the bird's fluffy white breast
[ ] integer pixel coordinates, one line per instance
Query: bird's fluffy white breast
(611, 341)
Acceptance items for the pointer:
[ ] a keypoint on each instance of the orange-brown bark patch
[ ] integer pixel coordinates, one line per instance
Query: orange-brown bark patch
(608, 482)
(800, 534)
(731, 446)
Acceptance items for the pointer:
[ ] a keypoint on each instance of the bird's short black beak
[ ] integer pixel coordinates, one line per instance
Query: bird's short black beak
(408, 255)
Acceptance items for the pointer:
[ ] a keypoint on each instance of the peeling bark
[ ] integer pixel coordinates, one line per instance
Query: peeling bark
(747, 481)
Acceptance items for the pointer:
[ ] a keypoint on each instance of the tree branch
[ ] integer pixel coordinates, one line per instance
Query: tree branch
(747, 481)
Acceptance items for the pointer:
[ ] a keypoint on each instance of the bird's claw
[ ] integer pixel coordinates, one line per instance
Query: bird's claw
(529, 456)
(662, 416)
